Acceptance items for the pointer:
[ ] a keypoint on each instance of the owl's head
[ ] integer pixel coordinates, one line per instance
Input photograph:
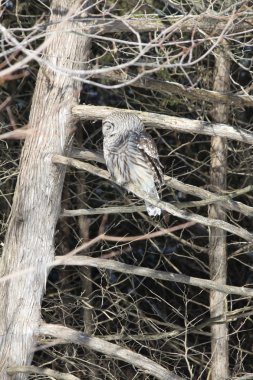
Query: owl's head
(120, 123)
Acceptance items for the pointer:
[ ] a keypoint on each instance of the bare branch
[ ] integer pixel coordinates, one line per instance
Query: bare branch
(41, 371)
(227, 199)
(168, 88)
(87, 155)
(17, 134)
(104, 210)
(151, 235)
(163, 205)
(112, 350)
(152, 273)
(179, 124)
(209, 23)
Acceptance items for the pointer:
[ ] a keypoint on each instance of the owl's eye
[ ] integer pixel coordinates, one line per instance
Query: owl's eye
(108, 125)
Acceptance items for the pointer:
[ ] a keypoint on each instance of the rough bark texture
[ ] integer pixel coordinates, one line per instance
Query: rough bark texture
(218, 252)
(36, 205)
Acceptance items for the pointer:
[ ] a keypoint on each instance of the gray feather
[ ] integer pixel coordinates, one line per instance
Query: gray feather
(131, 155)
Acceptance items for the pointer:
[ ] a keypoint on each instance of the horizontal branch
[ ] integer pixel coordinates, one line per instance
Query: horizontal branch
(169, 88)
(208, 23)
(227, 199)
(152, 273)
(41, 371)
(110, 349)
(89, 155)
(104, 210)
(178, 124)
(180, 205)
(71, 259)
(158, 203)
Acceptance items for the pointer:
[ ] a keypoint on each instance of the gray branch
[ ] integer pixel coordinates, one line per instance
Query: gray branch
(152, 273)
(168, 88)
(104, 210)
(110, 349)
(227, 199)
(163, 205)
(208, 23)
(41, 371)
(178, 124)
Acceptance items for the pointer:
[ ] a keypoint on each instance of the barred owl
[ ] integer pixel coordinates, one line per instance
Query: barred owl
(131, 155)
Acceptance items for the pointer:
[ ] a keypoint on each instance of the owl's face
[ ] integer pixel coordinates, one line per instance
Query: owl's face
(120, 123)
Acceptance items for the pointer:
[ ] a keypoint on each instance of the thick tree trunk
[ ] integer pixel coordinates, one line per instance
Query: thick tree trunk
(29, 243)
(218, 248)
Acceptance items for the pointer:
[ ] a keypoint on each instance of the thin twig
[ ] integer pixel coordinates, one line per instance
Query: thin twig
(151, 235)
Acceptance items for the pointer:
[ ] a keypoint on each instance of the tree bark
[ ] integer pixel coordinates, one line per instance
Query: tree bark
(29, 240)
(218, 251)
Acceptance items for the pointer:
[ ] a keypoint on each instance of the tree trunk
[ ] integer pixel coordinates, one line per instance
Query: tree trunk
(218, 252)
(29, 243)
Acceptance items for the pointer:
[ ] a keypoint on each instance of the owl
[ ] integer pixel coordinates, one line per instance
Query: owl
(131, 155)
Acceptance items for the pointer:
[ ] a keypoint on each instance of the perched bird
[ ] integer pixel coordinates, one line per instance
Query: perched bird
(131, 155)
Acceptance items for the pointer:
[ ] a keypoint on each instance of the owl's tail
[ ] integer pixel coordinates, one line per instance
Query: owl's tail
(153, 210)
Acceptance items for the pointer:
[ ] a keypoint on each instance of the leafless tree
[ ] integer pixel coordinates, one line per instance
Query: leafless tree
(91, 286)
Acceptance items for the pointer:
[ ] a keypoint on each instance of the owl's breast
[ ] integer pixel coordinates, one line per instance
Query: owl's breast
(126, 163)
(118, 166)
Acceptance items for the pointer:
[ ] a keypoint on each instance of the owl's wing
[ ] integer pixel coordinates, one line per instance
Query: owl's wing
(149, 150)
